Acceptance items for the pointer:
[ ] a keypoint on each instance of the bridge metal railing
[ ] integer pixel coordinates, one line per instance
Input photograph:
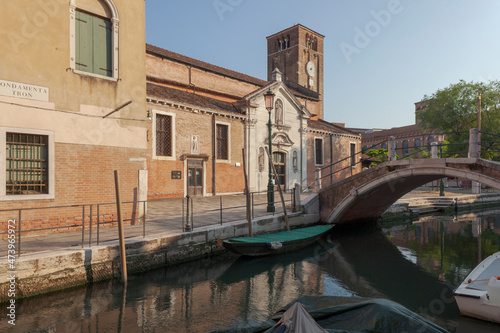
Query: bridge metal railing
(490, 146)
(197, 213)
(390, 148)
(352, 160)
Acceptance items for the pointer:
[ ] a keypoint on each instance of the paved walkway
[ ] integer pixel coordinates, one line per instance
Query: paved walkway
(166, 216)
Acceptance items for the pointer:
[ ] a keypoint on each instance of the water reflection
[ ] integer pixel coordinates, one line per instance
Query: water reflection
(416, 264)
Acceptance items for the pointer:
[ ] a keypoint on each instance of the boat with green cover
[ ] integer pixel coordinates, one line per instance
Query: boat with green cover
(280, 242)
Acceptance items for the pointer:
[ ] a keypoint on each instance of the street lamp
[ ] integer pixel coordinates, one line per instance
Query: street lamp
(269, 99)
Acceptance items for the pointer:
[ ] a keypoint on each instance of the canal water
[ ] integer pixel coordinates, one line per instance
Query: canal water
(417, 264)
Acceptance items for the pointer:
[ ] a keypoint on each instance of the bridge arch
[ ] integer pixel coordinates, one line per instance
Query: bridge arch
(368, 194)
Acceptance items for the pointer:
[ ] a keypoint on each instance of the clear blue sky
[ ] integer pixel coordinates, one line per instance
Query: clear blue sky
(410, 48)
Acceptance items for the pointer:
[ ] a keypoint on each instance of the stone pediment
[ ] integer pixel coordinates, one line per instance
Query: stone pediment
(280, 139)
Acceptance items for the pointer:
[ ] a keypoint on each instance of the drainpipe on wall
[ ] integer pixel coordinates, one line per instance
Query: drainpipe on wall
(331, 158)
(302, 150)
(214, 138)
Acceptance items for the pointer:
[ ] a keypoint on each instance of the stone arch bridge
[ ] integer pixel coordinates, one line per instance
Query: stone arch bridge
(368, 194)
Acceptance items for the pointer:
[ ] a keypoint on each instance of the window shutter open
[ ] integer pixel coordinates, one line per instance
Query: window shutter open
(83, 42)
(102, 47)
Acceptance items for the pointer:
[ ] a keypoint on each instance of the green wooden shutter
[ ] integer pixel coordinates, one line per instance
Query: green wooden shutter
(83, 41)
(102, 61)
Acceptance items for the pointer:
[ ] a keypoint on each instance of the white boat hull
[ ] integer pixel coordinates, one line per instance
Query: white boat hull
(472, 295)
(477, 308)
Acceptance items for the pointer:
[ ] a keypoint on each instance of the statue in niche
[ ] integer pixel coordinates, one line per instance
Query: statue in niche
(279, 112)
(261, 159)
(195, 144)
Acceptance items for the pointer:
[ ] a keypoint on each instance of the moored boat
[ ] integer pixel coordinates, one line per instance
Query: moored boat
(280, 242)
(478, 296)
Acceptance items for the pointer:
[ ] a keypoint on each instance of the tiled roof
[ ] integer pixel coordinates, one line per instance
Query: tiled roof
(323, 125)
(203, 65)
(190, 99)
(297, 90)
(396, 131)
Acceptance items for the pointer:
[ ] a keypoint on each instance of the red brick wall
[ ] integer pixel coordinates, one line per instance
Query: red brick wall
(218, 84)
(228, 177)
(341, 150)
(84, 175)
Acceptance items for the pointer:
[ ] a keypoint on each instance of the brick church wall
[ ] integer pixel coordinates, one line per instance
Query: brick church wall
(203, 82)
(228, 177)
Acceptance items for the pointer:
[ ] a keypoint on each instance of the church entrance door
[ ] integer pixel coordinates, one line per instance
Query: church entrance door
(195, 177)
(280, 166)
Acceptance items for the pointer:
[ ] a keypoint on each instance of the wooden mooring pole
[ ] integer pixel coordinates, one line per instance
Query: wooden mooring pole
(247, 193)
(123, 258)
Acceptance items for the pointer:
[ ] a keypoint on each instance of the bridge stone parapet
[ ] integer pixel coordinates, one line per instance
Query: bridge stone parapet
(368, 194)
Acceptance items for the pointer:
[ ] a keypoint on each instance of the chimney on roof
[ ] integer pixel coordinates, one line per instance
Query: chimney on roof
(276, 75)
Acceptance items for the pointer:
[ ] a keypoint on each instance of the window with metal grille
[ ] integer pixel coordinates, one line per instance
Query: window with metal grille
(27, 164)
(222, 142)
(318, 146)
(163, 135)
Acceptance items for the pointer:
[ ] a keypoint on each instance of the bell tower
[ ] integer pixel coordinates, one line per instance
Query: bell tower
(298, 53)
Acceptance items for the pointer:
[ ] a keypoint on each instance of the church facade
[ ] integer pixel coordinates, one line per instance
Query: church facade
(203, 117)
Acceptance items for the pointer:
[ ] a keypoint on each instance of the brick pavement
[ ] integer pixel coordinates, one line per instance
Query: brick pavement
(165, 216)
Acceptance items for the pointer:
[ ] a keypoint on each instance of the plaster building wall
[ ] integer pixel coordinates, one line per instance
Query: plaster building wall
(287, 138)
(42, 92)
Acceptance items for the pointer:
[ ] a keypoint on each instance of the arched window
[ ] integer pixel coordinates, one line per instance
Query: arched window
(279, 112)
(315, 44)
(94, 43)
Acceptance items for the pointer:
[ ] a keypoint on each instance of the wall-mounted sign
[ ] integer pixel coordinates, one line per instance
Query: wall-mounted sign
(176, 175)
(23, 90)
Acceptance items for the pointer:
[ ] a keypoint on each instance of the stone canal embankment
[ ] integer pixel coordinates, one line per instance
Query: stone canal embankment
(52, 270)
(451, 202)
